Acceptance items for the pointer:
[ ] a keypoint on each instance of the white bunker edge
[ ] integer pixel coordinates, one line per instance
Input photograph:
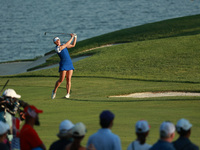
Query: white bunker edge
(157, 94)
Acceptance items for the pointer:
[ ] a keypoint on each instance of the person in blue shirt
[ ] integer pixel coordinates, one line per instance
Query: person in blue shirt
(4, 128)
(66, 67)
(167, 133)
(104, 139)
(183, 127)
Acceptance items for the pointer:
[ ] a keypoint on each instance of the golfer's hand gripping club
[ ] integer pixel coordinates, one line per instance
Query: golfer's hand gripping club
(75, 35)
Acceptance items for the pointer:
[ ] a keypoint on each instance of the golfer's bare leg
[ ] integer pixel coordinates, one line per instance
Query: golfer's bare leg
(60, 80)
(68, 79)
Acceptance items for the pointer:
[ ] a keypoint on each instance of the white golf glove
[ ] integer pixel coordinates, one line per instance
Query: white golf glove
(75, 35)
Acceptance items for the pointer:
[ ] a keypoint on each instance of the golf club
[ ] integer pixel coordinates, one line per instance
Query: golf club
(4, 87)
(55, 33)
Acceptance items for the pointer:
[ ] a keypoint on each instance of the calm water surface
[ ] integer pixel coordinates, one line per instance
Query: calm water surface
(23, 23)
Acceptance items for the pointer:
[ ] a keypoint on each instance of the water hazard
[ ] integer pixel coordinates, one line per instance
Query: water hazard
(23, 23)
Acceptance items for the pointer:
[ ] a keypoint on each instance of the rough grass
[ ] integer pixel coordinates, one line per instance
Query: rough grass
(169, 59)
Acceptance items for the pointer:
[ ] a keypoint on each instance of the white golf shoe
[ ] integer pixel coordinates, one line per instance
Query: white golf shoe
(53, 95)
(67, 96)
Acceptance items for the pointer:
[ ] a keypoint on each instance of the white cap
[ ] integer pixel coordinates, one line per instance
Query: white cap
(55, 39)
(167, 127)
(4, 127)
(183, 124)
(64, 128)
(78, 130)
(11, 93)
(142, 126)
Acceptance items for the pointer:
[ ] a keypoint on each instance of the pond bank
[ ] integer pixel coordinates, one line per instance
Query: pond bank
(13, 68)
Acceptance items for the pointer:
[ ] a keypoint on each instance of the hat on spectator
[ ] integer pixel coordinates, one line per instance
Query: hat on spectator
(32, 111)
(142, 126)
(183, 124)
(167, 127)
(4, 127)
(64, 128)
(107, 115)
(11, 93)
(55, 39)
(78, 130)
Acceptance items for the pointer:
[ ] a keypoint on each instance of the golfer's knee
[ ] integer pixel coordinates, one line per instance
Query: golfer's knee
(60, 80)
(68, 81)
(68, 78)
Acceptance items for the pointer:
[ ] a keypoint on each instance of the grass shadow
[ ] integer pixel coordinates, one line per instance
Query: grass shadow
(136, 100)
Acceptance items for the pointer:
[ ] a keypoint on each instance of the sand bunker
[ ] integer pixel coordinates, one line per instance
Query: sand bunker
(158, 94)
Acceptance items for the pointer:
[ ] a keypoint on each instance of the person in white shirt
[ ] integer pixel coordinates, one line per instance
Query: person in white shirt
(142, 131)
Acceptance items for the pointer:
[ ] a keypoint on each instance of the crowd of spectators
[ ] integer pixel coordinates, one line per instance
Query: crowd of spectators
(71, 135)
(104, 139)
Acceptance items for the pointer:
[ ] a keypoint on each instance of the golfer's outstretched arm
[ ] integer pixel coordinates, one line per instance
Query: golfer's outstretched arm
(68, 44)
(73, 43)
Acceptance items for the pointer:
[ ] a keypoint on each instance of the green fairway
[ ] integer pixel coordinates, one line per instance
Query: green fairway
(162, 56)
(89, 98)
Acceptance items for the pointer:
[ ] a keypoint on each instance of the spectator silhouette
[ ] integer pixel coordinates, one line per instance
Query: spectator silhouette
(29, 138)
(183, 127)
(78, 132)
(4, 128)
(104, 139)
(64, 136)
(167, 133)
(142, 131)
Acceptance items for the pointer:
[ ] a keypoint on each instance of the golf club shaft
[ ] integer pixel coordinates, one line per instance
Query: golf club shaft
(4, 87)
(55, 33)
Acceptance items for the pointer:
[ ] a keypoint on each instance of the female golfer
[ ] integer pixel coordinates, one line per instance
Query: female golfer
(66, 67)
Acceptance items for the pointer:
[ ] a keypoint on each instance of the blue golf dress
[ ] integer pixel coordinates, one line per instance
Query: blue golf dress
(65, 59)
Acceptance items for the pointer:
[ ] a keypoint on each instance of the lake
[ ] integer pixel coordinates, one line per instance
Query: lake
(23, 23)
